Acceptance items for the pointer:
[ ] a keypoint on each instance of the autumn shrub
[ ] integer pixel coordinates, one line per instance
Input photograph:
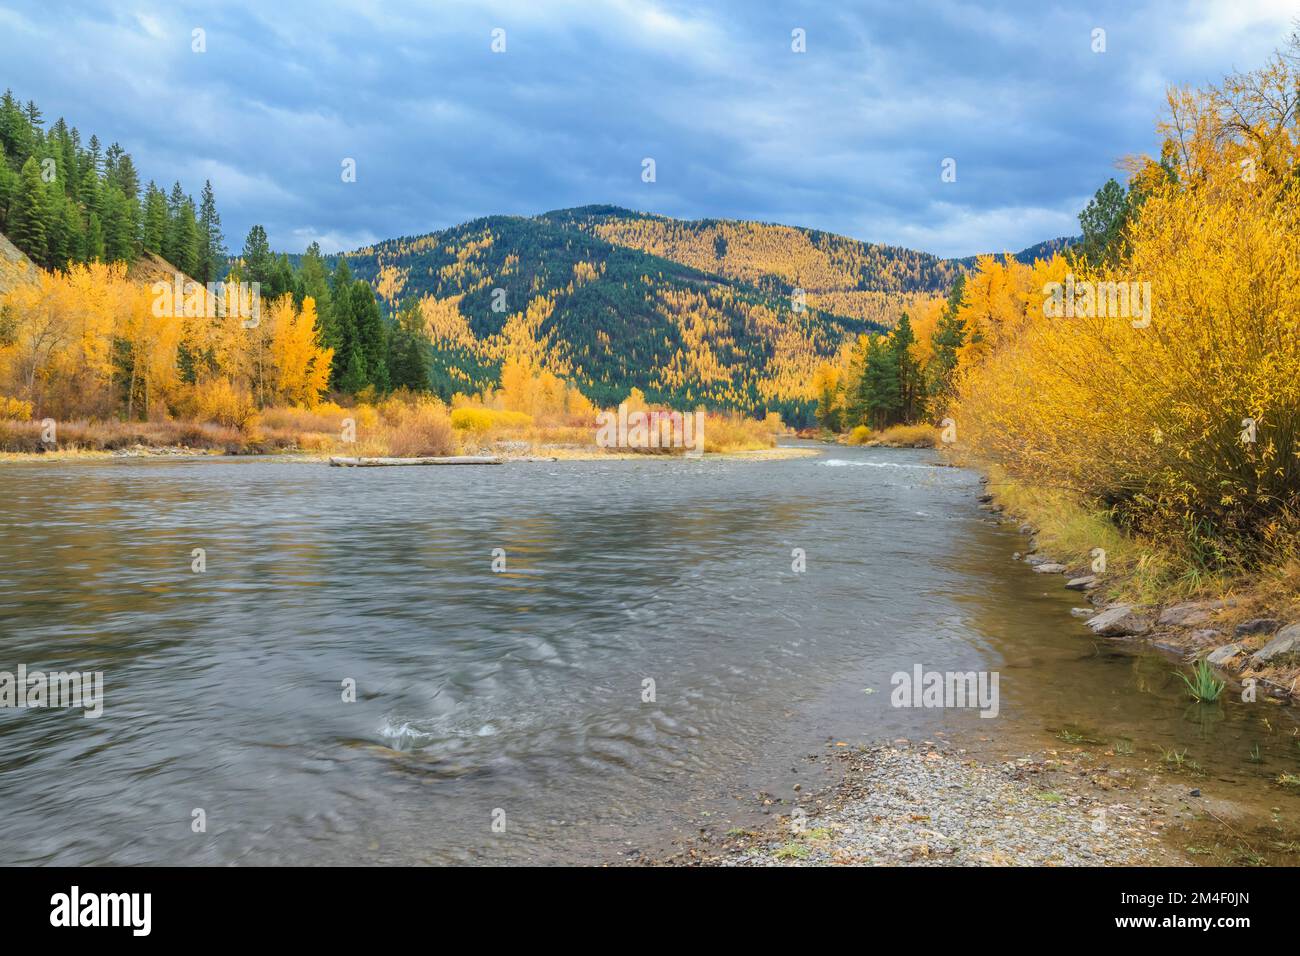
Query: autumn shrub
(731, 431)
(1184, 428)
(14, 409)
(419, 428)
(909, 436)
(860, 435)
(325, 418)
(486, 419)
(220, 402)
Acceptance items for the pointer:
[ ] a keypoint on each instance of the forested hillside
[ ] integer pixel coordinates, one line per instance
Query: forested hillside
(604, 316)
(66, 201)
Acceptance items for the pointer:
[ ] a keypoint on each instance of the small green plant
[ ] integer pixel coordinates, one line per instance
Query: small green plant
(1289, 780)
(1255, 756)
(1174, 758)
(792, 851)
(1048, 796)
(1203, 685)
(1125, 747)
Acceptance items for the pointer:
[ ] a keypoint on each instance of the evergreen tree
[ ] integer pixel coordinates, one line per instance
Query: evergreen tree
(949, 336)
(1103, 221)
(15, 132)
(258, 260)
(371, 340)
(212, 248)
(337, 326)
(312, 280)
(409, 360)
(27, 213)
(911, 385)
(155, 219)
(119, 227)
(880, 387)
(8, 189)
(94, 247)
(353, 379)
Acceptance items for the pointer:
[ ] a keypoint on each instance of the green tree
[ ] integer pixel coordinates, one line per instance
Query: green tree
(155, 219)
(409, 361)
(119, 225)
(911, 384)
(1103, 221)
(94, 247)
(949, 336)
(371, 338)
(880, 388)
(27, 213)
(212, 248)
(258, 260)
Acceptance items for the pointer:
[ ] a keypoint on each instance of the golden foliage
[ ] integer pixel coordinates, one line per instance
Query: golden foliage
(93, 342)
(1188, 426)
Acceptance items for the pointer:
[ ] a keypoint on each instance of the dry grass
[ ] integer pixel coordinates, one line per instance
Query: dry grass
(25, 437)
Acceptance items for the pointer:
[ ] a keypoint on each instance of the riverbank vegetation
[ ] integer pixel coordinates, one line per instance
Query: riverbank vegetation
(1139, 396)
(1179, 425)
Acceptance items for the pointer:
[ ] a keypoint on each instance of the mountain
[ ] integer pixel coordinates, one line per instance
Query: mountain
(606, 315)
(1040, 250)
(705, 311)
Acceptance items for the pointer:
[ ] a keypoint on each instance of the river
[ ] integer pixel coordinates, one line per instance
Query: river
(506, 715)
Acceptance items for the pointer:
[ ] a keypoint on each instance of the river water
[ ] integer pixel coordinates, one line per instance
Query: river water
(648, 657)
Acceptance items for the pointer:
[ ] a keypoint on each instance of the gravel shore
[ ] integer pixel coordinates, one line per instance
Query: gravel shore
(932, 805)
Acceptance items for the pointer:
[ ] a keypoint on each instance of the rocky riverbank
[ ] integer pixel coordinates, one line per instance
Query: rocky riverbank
(1231, 633)
(931, 803)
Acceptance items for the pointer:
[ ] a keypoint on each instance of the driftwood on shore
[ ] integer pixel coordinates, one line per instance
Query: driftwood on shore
(340, 461)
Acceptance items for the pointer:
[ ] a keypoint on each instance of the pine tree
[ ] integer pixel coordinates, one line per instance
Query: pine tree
(27, 213)
(312, 280)
(880, 383)
(371, 340)
(155, 219)
(911, 385)
(212, 249)
(8, 189)
(949, 336)
(119, 227)
(336, 325)
(409, 362)
(258, 261)
(94, 248)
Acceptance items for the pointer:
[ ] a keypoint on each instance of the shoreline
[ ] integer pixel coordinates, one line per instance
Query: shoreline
(542, 455)
(1019, 798)
(1228, 630)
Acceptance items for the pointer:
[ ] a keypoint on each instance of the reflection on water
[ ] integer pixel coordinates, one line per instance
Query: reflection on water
(519, 691)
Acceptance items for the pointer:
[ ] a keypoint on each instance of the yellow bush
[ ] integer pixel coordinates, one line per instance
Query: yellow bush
(860, 435)
(222, 403)
(485, 419)
(14, 409)
(420, 429)
(472, 419)
(909, 436)
(1186, 427)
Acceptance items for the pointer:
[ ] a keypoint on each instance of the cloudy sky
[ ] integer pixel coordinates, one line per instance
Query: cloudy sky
(848, 136)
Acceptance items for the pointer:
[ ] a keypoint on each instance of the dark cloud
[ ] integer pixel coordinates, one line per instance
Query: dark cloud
(847, 137)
